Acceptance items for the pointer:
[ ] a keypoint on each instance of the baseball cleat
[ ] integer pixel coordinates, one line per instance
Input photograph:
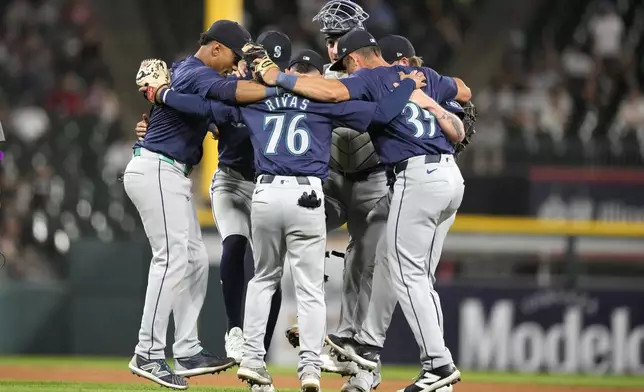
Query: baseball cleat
(310, 382)
(158, 371)
(253, 376)
(337, 343)
(202, 363)
(366, 356)
(293, 335)
(261, 388)
(331, 364)
(433, 380)
(234, 343)
(361, 382)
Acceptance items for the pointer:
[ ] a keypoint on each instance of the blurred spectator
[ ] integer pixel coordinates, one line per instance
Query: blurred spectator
(29, 122)
(630, 119)
(493, 104)
(555, 112)
(606, 30)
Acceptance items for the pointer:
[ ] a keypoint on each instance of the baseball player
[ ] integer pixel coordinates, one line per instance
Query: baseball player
(420, 154)
(158, 183)
(371, 337)
(230, 194)
(287, 217)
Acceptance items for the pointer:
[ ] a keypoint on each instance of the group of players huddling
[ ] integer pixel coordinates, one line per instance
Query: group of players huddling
(369, 140)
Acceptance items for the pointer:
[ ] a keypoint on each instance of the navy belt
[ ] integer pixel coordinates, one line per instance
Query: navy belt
(245, 174)
(428, 159)
(269, 178)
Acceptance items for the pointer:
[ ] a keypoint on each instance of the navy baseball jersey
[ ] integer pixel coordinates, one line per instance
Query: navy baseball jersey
(234, 145)
(291, 135)
(415, 131)
(179, 135)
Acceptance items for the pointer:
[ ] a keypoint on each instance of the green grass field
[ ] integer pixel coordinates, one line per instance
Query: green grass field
(44, 364)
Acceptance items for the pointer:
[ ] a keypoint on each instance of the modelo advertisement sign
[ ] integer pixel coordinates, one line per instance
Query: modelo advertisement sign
(532, 330)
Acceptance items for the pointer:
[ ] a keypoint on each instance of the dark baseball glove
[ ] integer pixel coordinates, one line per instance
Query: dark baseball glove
(469, 121)
(257, 60)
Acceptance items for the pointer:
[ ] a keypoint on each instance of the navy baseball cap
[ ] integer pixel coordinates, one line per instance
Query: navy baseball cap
(278, 47)
(229, 33)
(309, 57)
(349, 43)
(395, 47)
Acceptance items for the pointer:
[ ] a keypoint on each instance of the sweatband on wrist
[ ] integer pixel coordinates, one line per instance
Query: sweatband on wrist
(286, 81)
(164, 94)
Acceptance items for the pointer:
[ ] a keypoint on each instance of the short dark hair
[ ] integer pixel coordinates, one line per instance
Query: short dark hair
(415, 61)
(204, 39)
(366, 52)
(369, 51)
(303, 68)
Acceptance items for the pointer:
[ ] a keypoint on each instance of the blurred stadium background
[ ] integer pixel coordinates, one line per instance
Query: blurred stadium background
(543, 271)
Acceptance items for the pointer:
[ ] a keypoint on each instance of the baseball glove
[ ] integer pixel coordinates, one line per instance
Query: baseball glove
(469, 121)
(153, 74)
(257, 59)
(293, 336)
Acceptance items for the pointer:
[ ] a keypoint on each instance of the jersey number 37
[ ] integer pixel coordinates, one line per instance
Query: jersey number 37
(423, 122)
(298, 140)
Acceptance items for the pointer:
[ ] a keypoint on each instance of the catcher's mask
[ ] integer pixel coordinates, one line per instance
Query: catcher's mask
(340, 16)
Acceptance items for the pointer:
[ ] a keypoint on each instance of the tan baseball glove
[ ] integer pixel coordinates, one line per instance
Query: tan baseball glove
(258, 61)
(152, 75)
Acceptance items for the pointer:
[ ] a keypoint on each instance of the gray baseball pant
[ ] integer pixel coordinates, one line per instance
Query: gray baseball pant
(178, 276)
(230, 197)
(354, 201)
(425, 195)
(383, 299)
(281, 228)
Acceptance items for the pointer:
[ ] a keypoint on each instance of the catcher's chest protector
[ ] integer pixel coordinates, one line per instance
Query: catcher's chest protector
(351, 151)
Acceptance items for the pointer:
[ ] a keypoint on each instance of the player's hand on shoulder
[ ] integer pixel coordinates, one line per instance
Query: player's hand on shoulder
(417, 76)
(152, 76)
(142, 127)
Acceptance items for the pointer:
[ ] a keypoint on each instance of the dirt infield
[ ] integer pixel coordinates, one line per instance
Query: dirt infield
(229, 379)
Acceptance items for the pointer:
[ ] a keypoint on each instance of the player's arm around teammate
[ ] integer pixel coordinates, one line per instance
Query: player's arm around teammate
(330, 90)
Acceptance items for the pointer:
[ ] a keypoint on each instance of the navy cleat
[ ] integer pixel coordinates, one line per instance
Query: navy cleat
(202, 363)
(157, 370)
(366, 356)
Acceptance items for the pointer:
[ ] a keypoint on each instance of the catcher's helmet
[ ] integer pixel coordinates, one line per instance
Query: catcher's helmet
(340, 16)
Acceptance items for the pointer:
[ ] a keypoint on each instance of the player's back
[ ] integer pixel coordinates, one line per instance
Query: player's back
(415, 131)
(291, 136)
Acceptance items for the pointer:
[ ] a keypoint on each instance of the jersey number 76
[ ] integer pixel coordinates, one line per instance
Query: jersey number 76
(421, 120)
(298, 140)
